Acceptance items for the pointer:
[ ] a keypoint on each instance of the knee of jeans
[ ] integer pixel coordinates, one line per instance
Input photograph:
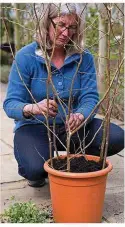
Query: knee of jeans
(34, 172)
(117, 143)
(119, 137)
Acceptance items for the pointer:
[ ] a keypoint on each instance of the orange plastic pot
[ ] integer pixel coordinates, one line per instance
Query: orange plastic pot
(78, 197)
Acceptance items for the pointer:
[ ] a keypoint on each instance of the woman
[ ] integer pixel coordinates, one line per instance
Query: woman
(59, 38)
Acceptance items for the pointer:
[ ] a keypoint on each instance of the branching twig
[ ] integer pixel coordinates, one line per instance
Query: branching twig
(98, 104)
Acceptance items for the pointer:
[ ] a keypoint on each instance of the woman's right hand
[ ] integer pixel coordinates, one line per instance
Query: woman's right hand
(41, 108)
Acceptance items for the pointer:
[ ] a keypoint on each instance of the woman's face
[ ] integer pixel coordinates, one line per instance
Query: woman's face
(64, 27)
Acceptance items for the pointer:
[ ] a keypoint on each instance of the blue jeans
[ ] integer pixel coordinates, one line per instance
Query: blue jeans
(31, 145)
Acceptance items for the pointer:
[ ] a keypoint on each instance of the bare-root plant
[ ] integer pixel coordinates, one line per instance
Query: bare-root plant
(112, 84)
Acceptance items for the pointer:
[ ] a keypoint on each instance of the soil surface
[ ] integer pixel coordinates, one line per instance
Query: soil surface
(77, 165)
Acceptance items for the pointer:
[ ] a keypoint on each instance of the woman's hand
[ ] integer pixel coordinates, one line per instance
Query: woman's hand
(41, 108)
(75, 121)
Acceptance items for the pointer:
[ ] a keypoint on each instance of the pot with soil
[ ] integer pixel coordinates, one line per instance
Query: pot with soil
(77, 196)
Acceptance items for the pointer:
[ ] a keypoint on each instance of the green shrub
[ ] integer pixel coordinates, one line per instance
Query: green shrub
(24, 213)
(5, 69)
(92, 32)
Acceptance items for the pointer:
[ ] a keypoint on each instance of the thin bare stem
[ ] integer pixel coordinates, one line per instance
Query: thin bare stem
(47, 122)
(107, 120)
(68, 151)
(119, 9)
(69, 109)
(98, 104)
(54, 138)
(20, 25)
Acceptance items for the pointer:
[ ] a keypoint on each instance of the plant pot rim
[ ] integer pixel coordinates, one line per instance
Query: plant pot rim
(79, 175)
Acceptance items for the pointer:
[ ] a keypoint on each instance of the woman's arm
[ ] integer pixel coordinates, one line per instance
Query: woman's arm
(17, 94)
(18, 103)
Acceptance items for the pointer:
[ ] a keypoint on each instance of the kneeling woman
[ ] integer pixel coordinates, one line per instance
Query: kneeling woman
(69, 61)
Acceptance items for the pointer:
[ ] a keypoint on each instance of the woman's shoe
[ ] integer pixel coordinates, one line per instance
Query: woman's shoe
(37, 184)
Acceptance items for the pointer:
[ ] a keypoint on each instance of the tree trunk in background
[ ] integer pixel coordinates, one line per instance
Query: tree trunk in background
(3, 36)
(102, 48)
(16, 27)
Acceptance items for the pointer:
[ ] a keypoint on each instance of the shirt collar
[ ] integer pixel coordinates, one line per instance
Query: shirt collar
(68, 59)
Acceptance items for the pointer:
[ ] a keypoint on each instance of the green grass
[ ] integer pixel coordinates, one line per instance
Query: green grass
(5, 69)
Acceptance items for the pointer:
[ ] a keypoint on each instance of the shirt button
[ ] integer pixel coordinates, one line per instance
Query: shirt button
(59, 83)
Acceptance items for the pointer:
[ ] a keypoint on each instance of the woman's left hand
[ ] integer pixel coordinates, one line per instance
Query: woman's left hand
(75, 121)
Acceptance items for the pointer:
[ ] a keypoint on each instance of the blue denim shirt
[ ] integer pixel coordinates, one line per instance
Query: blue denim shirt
(30, 70)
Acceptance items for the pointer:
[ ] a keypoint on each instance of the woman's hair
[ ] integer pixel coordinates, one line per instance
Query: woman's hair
(43, 13)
